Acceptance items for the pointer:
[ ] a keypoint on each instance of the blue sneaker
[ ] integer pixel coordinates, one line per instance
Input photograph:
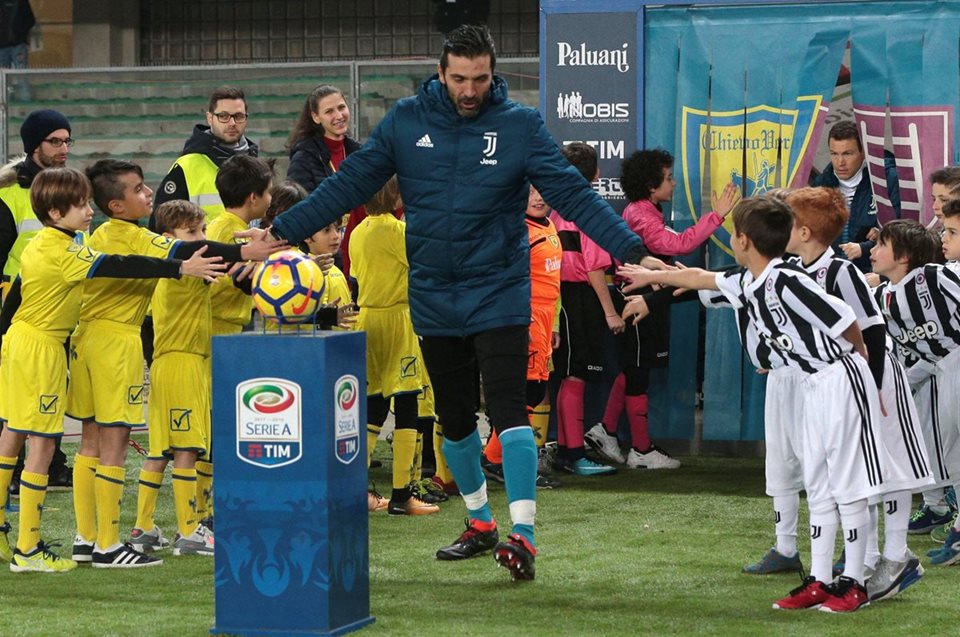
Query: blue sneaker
(950, 497)
(949, 553)
(587, 467)
(774, 561)
(926, 520)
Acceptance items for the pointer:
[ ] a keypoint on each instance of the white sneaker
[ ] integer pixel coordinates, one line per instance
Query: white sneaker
(604, 444)
(655, 458)
(200, 542)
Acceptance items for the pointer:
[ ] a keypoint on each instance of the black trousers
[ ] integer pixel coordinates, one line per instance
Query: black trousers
(500, 355)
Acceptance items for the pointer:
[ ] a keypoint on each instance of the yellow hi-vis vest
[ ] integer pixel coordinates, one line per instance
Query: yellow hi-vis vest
(17, 199)
(200, 173)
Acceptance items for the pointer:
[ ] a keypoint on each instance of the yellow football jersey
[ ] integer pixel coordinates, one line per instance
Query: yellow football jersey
(229, 303)
(335, 288)
(182, 317)
(123, 300)
(378, 260)
(52, 267)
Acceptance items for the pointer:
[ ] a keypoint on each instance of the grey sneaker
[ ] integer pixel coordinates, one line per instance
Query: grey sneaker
(890, 578)
(148, 541)
(773, 561)
(607, 446)
(200, 542)
(546, 456)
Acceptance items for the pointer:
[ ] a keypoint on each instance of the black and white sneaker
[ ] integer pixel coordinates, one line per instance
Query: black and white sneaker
(82, 550)
(123, 556)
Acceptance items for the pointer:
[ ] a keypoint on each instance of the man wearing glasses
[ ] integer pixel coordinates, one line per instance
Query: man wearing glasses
(194, 173)
(46, 142)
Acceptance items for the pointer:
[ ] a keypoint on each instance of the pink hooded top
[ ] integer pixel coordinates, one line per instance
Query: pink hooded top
(645, 219)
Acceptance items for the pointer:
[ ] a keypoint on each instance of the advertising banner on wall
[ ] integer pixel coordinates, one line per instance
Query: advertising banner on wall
(590, 89)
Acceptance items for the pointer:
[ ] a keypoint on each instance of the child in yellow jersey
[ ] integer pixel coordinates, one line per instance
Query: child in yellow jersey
(378, 260)
(41, 311)
(336, 309)
(244, 184)
(106, 358)
(179, 408)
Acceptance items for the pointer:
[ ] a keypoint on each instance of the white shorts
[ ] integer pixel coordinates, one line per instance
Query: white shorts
(907, 468)
(783, 431)
(842, 459)
(938, 407)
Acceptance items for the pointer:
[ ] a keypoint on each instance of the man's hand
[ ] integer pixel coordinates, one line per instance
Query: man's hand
(555, 340)
(325, 261)
(201, 267)
(723, 204)
(653, 263)
(852, 250)
(260, 246)
(241, 271)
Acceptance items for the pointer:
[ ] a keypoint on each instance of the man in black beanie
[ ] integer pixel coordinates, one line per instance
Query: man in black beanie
(46, 142)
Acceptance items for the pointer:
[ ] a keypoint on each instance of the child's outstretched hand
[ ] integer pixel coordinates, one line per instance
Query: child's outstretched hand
(639, 276)
(241, 271)
(346, 314)
(637, 308)
(728, 198)
(202, 267)
(260, 246)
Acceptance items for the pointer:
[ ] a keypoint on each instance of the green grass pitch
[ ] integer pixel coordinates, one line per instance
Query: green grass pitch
(638, 553)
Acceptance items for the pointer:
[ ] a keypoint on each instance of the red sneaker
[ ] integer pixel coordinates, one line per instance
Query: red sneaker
(811, 594)
(846, 596)
(450, 488)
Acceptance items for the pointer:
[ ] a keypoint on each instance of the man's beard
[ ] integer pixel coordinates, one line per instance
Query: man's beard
(50, 161)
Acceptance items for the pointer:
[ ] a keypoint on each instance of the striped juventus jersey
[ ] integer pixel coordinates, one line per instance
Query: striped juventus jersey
(757, 351)
(799, 322)
(842, 279)
(923, 311)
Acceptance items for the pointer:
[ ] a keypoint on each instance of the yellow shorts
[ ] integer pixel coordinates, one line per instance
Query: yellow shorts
(179, 407)
(33, 381)
(394, 362)
(106, 374)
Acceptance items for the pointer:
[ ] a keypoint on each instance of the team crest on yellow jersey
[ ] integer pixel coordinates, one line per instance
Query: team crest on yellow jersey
(758, 148)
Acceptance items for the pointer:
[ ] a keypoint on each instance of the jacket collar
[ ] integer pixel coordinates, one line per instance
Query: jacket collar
(435, 95)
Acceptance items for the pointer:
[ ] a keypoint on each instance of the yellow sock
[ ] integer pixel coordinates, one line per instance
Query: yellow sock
(404, 448)
(7, 465)
(204, 489)
(540, 421)
(109, 493)
(147, 493)
(373, 434)
(417, 470)
(443, 471)
(33, 490)
(185, 500)
(84, 498)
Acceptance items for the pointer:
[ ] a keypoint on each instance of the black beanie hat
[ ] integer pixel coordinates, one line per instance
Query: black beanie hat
(38, 125)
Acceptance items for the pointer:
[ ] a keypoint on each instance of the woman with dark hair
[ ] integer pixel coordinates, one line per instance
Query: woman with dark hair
(318, 145)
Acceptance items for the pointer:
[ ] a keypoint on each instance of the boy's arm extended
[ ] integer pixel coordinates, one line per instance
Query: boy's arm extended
(598, 281)
(855, 336)
(689, 278)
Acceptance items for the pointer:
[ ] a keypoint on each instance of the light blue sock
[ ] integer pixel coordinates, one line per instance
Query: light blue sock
(463, 458)
(520, 476)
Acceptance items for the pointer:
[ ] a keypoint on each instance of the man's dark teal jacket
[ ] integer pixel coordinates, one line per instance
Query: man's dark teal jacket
(464, 182)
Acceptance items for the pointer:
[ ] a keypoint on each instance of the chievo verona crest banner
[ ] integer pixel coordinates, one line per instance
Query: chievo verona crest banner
(741, 94)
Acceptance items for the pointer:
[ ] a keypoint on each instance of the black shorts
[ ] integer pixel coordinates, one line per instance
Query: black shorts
(645, 345)
(500, 356)
(582, 326)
